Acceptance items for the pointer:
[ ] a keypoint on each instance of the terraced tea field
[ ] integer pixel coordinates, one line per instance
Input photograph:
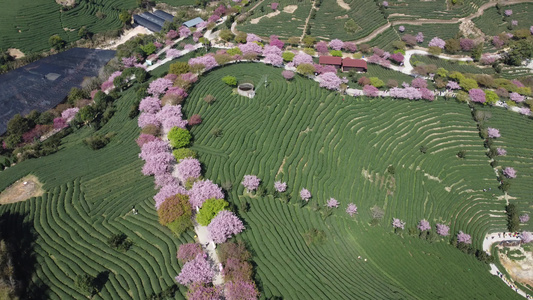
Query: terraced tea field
(492, 23)
(89, 196)
(516, 138)
(451, 65)
(414, 9)
(309, 137)
(27, 25)
(277, 23)
(331, 18)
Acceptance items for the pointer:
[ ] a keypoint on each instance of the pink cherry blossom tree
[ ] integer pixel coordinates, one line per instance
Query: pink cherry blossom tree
(443, 230)
(332, 203)
(493, 133)
(288, 75)
(350, 46)
(524, 218)
(370, 91)
(280, 187)
(302, 58)
(467, 44)
(477, 95)
(508, 12)
(240, 290)
(172, 34)
(250, 38)
(223, 226)
(526, 237)
(188, 252)
(146, 119)
(69, 114)
(274, 5)
(437, 42)
(526, 111)
(150, 105)
(330, 81)
(464, 238)
(397, 223)
(420, 37)
(251, 182)
(321, 47)
(173, 53)
(516, 97)
(60, 123)
(423, 225)
(167, 191)
(501, 151)
(184, 31)
(250, 48)
(145, 138)
(188, 168)
(171, 116)
(207, 60)
(509, 172)
(351, 209)
(159, 86)
(196, 270)
(401, 28)
(202, 190)
(305, 195)
(419, 83)
(336, 44)
(452, 85)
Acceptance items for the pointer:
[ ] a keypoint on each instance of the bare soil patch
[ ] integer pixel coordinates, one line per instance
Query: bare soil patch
(23, 189)
(66, 2)
(519, 270)
(270, 15)
(290, 9)
(128, 34)
(341, 17)
(16, 53)
(343, 4)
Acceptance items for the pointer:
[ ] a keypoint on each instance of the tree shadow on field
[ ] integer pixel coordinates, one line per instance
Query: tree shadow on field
(101, 280)
(20, 236)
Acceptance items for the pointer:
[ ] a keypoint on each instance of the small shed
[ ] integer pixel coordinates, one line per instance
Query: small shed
(163, 15)
(354, 64)
(330, 60)
(193, 22)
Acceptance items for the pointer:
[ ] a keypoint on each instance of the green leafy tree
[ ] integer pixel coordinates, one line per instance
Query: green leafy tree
(56, 42)
(337, 53)
(125, 17)
(230, 80)
(234, 51)
(442, 72)
(179, 137)
(468, 84)
(376, 82)
(309, 41)
(452, 46)
(182, 153)
(226, 35)
(179, 67)
(351, 27)
(209, 210)
(149, 48)
(288, 56)
(306, 69)
(86, 284)
(241, 37)
(491, 97)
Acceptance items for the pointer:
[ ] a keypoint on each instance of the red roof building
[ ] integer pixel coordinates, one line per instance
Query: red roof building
(357, 64)
(330, 60)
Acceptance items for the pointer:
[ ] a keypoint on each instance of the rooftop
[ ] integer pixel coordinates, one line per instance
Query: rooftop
(193, 22)
(330, 60)
(354, 63)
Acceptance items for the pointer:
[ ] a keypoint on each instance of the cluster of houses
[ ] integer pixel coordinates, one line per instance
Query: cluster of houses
(345, 64)
(155, 21)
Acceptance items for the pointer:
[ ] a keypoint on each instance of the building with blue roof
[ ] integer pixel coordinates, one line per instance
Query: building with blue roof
(193, 22)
